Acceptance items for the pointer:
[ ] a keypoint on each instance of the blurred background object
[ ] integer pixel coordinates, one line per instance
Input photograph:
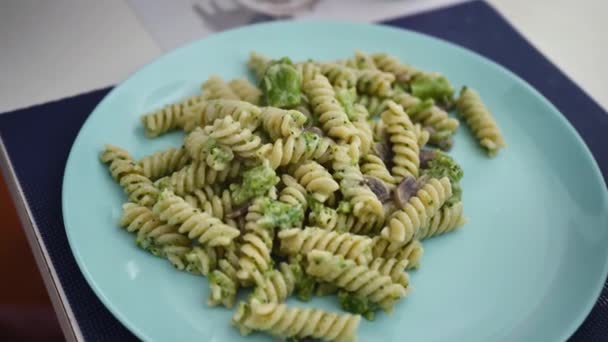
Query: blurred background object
(26, 313)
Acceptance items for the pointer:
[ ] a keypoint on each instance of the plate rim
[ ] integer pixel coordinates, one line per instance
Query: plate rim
(134, 329)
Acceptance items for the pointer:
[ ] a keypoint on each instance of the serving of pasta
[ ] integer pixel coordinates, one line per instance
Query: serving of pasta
(322, 179)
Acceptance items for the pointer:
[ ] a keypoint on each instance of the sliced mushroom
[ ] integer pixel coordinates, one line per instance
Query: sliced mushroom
(383, 151)
(378, 188)
(446, 143)
(429, 129)
(406, 189)
(425, 157)
(238, 212)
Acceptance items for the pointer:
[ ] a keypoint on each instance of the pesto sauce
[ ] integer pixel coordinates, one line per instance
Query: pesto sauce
(346, 98)
(311, 140)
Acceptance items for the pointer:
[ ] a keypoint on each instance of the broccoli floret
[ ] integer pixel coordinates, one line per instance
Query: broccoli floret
(442, 165)
(280, 215)
(357, 304)
(256, 182)
(281, 84)
(431, 86)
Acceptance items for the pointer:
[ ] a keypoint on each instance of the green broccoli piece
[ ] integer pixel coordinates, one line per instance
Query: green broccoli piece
(281, 84)
(421, 106)
(280, 215)
(442, 165)
(357, 304)
(432, 86)
(256, 182)
(305, 287)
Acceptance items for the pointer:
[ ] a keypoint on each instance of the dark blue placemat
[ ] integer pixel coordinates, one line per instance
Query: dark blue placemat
(38, 140)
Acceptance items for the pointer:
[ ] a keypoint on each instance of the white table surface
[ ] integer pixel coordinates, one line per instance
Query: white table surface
(54, 49)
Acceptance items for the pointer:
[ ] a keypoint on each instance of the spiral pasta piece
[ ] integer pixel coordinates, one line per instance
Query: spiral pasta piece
(201, 260)
(307, 71)
(215, 203)
(295, 149)
(245, 90)
(228, 132)
(339, 75)
(387, 63)
(282, 321)
(152, 234)
(277, 284)
(358, 279)
(394, 268)
(405, 142)
(205, 113)
(372, 165)
(256, 245)
(216, 89)
(433, 116)
(223, 288)
(363, 129)
(293, 193)
(375, 82)
(352, 185)
(405, 223)
(412, 251)
(209, 230)
(422, 134)
(480, 120)
(163, 163)
(197, 175)
(361, 61)
(169, 117)
(301, 241)
(258, 63)
(129, 175)
(375, 105)
(328, 110)
(447, 219)
(316, 180)
(282, 123)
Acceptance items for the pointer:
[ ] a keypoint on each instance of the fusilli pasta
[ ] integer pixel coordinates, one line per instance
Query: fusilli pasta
(480, 120)
(301, 241)
(209, 230)
(359, 279)
(404, 224)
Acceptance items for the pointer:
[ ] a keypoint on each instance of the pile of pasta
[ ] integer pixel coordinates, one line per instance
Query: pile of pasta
(323, 179)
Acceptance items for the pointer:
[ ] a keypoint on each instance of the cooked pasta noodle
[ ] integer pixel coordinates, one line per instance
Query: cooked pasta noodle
(301, 241)
(359, 279)
(404, 224)
(480, 120)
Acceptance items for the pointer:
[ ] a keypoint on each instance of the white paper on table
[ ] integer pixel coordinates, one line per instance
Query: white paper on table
(174, 23)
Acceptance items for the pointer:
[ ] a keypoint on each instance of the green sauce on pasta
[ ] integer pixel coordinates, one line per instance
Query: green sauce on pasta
(347, 98)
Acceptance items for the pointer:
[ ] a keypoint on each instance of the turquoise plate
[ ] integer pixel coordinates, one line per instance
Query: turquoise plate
(529, 265)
